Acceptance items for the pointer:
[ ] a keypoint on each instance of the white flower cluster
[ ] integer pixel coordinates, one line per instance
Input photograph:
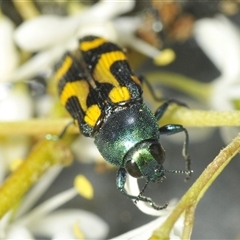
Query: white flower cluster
(50, 36)
(220, 40)
(46, 221)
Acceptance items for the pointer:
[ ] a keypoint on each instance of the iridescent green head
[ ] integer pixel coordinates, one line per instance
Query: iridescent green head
(145, 160)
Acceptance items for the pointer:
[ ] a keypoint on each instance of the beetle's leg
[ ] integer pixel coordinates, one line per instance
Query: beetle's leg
(143, 79)
(57, 137)
(162, 109)
(173, 129)
(121, 180)
(65, 129)
(87, 133)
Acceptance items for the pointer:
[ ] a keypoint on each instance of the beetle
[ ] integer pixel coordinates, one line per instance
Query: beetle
(104, 97)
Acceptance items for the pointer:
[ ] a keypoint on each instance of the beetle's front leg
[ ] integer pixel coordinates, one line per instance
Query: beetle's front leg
(121, 180)
(173, 129)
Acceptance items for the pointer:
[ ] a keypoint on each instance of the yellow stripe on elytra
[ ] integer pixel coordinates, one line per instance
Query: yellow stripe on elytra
(102, 72)
(79, 89)
(92, 115)
(64, 68)
(119, 94)
(88, 45)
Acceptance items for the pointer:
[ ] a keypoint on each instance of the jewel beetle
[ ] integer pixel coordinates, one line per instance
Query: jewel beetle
(104, 97)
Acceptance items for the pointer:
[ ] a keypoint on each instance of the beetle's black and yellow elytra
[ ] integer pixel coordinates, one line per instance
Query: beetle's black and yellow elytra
(93, 85)
(104, 97)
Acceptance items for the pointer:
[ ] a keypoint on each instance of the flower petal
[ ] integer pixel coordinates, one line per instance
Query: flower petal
(37, 191)
(145, 231)
(41, 61)
(43, 32)
(104, 29)
(18, 232)
(60, 225)
(225, 54)
(17, 105)
(85, 150)
(9, 55)
(133, 189)
(47, 207)
(107, 9)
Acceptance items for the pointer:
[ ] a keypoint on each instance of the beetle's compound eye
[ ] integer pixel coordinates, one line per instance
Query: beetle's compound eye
(157, 152)
(133, 169)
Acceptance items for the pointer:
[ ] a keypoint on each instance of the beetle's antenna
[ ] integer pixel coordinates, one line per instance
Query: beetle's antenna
(142, 191)
(187, 172)
(121, 180)
(146, 183)
(144, 199)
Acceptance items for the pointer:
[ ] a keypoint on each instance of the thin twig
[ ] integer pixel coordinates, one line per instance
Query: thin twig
(44, 155)
(178, 115)
(195, 193)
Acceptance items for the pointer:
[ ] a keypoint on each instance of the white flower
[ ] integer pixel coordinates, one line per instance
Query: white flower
(9, 56)
(71, 224)
(42, 61)
(53, 35)
(15, 105)
(146, 231)
(85, 150)
(43, 32)
(132, 188)
(17, 232)
(220, 40)
(47, 31)
(45, 221)
(126, 27)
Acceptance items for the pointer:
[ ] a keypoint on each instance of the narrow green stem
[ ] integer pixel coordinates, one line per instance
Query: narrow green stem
(199, 118)
(44, 155)
(188, 222)
(197, 90)
(195, 193)
(177, 115)
(37, 127)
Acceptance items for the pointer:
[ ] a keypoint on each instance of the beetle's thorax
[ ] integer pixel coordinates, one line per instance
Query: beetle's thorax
(123, 129)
